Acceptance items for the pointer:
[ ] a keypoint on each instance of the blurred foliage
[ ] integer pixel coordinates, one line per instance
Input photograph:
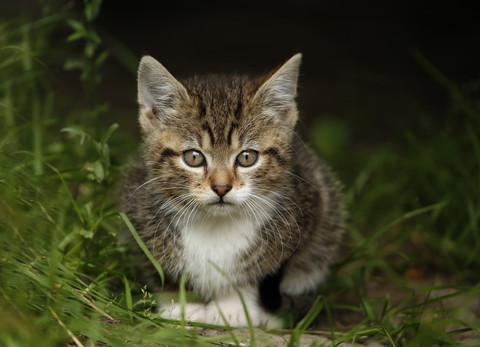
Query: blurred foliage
(93, 56)
(65, 275)
(438, 165)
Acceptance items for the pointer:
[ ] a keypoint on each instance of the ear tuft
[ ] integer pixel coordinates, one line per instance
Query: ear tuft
(277, 93)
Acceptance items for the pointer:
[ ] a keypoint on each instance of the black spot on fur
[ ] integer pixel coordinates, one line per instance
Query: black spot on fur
(269, 290)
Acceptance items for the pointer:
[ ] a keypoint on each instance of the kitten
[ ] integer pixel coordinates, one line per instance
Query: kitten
(227, 194)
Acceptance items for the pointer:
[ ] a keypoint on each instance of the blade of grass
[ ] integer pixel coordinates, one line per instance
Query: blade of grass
(306, 321)
(109, 132)
(128, 297)
(400, 219)
(72, 199)
(37, 135)
(444, 82)
(232, 335)
(182, 299)
(69, 332)
(142, 245)
(389, 337)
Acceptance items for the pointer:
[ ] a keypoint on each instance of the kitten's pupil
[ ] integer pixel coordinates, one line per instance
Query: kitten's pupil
(193, 158)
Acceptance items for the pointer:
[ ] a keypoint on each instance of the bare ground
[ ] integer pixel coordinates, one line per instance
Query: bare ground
(464, 308)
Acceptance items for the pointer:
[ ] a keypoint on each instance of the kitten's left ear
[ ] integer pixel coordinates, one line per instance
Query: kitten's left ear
(277, 93)
(159, 93)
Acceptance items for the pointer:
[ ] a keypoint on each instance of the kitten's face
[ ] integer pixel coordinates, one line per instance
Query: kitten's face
(219, 147)
(219, 177)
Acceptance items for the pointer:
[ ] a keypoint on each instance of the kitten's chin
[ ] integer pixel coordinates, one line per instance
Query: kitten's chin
(221, 208)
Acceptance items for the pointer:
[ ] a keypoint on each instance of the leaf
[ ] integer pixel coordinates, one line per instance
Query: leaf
(92, 9)
(75, 131)
(99, 172)
(86, 234)
(76, 25)
(90, 48)
(95, 171)
(93, 36)
(101, 58)
(106, 135)
(74, 63)
(78, 132)
(87, 212)
(76, 36)
(105, 155)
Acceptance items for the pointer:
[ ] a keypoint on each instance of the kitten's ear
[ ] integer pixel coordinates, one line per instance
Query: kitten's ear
(158, 92)
(277, 93)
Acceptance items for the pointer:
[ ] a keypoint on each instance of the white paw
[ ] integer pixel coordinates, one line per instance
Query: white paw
(192, 312)
(233, 314)
(229, 310)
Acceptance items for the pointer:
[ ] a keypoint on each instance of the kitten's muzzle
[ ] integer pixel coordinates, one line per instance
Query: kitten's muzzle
(221, 189)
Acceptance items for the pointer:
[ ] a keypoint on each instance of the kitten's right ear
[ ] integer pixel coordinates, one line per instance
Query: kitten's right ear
(278, 91)
(158, 93)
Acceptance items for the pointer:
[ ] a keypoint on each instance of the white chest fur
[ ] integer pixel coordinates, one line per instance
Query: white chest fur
(217, 241)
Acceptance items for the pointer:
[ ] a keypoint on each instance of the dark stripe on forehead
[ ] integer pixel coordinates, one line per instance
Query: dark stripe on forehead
(233, 126)
(238, 109)
(272, 151)
(203, 109)
(167, 153)
(209, 130)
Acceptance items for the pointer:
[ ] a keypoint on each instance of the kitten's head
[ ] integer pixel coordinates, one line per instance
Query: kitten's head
(218, 145)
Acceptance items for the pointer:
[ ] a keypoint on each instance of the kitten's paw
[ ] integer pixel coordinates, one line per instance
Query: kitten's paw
(230, 311)
(193, 312)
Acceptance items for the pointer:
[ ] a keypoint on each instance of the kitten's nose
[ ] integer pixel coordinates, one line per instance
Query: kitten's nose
(221, 189)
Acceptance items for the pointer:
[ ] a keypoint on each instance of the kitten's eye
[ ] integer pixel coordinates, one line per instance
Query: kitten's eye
(247, 158)
(193, 158)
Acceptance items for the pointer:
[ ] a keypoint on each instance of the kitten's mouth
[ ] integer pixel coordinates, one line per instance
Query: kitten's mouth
(221, 203)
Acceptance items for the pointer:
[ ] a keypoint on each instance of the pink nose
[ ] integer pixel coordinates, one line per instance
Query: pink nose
(221, 189)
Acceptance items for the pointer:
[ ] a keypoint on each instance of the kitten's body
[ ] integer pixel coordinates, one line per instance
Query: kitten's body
(261, 213)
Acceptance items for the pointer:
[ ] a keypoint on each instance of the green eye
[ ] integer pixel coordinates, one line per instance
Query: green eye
(193, 158)
(247, 158)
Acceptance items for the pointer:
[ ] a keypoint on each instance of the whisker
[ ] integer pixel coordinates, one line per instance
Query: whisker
(143, 184)
(300, 178)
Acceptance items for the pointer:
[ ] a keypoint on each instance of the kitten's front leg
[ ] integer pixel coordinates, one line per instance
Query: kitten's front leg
(229, 310)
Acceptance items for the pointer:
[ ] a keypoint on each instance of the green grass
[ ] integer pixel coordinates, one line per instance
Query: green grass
(408, 275)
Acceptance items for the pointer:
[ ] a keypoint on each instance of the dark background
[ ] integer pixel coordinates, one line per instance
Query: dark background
(358, 64)
(358, 67)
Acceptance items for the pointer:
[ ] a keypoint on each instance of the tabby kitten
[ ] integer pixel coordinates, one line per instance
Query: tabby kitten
(227, 194)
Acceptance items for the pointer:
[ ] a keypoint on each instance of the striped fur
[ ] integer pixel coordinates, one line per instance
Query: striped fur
(276, 230)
